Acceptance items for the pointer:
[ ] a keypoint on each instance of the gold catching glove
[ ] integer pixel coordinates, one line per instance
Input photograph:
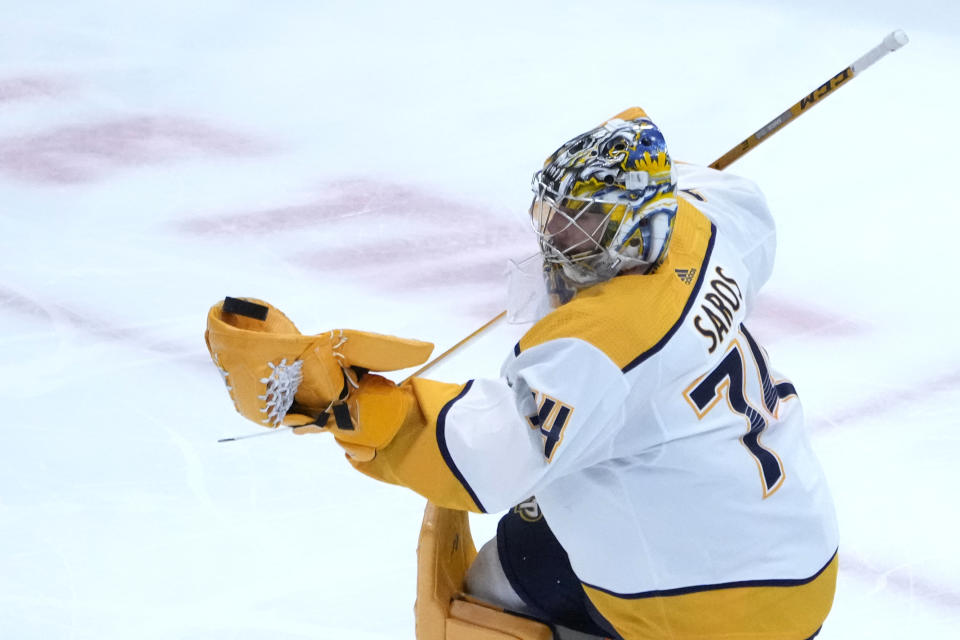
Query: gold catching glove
(276, 375)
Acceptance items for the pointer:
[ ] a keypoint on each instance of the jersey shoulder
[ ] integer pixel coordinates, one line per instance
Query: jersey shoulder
(631, 317)
(739, 209)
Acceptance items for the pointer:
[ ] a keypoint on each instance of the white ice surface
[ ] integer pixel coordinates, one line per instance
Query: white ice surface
(366, 165)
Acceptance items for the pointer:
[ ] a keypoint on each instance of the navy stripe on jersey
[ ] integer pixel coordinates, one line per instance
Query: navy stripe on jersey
(713, 587)
(785, 389)
(686, 309)
(445, 452)
(770, 395)
(601, 621)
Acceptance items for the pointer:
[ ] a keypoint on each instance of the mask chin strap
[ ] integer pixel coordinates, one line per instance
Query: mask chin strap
(560, 287)
(566, 278)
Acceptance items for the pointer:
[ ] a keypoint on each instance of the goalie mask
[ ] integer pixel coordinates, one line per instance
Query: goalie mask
(605, 202)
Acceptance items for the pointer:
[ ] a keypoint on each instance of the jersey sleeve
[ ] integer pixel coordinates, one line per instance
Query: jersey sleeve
(556, 409)
(739, 210)
(491, 443)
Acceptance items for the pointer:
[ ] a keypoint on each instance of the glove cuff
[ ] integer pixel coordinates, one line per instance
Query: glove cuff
(373, 413)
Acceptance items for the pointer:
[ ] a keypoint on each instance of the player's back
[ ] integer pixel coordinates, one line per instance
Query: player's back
(709, 495)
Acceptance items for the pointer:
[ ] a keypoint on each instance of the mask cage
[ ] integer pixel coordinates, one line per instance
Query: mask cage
(575, 232)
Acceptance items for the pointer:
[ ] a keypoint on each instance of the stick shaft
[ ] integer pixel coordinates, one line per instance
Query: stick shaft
(890, 43)
(258, 434)
(443, 355)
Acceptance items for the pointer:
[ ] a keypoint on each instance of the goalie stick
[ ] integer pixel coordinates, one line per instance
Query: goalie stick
(892, 42)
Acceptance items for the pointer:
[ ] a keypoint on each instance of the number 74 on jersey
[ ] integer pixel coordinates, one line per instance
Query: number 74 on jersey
(728, 380)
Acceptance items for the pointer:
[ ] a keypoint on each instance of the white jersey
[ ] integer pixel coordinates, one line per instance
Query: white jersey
(666, 454)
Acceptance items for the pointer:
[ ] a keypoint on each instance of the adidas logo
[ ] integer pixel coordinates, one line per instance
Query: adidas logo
(686, 275)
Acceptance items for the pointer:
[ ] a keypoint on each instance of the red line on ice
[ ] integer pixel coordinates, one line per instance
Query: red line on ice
(375, 204)
(29, 87)
(86, 152)
(884, 403)
(411, 239)
(777, 318)
(434, 259)
(99, 327)
(903, 580)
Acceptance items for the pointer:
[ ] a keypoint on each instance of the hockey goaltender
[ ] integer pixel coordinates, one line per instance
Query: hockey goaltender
(654, 468)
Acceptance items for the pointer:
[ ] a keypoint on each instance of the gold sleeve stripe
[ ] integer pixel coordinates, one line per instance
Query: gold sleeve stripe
(417, 457)
(769, 609)
(445, 452)
(632, 317)
(686, 308)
